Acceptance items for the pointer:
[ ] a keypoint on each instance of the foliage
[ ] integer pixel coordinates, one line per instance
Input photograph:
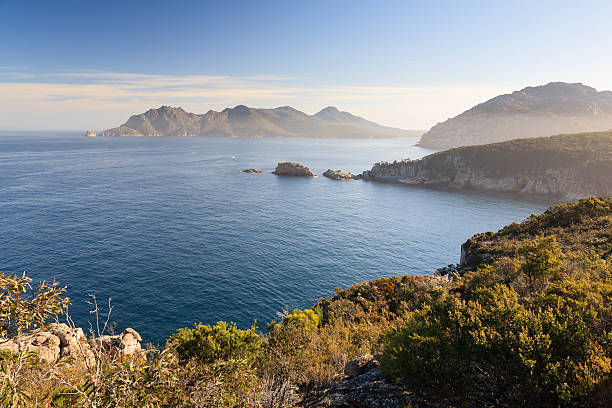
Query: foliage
(23, 309)
(496, 341)
(219, 342)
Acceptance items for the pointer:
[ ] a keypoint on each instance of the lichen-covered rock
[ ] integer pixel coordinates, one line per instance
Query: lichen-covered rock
(339, 175)
(292, 169)
(369, 390)
(360, 365)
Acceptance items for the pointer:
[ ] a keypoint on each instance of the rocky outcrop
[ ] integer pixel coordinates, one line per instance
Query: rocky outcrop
(59, 341)
(569, 166)
(339, 175)
(252, 171)
(292, 169)
(360, 365)
(531, 112)
(364, 386)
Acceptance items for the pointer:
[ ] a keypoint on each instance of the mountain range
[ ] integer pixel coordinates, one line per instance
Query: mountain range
(545, 110)
(242, 121)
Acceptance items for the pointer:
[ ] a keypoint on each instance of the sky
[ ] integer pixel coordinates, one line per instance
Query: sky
(73, 65)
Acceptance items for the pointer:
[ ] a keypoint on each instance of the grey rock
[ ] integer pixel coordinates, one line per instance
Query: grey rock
(360, 365)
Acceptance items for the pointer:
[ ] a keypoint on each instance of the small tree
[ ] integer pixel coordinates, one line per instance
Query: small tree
(542, 259)
(22, 308)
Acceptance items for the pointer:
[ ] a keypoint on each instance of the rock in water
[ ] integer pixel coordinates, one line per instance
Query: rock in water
(252, 171)
(339, 175)
(292, 169)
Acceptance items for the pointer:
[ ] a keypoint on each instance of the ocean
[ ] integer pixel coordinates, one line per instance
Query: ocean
(174, 233)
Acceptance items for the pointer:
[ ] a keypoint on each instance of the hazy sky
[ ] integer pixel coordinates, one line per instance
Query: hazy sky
(91, 64)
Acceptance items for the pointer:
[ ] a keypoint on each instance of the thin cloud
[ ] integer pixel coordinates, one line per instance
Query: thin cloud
(110, 97)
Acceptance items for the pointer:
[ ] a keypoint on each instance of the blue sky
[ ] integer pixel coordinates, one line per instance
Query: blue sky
(75, 64)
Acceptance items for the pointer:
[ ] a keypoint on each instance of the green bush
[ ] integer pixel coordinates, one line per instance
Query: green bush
(550, 347)
(207, 344)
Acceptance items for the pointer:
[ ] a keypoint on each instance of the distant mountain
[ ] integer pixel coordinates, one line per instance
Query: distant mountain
(554, 108)
(243, 121)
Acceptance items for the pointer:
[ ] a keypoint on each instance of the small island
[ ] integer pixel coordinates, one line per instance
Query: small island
(339, 175)
(252, 171)
(293, 169)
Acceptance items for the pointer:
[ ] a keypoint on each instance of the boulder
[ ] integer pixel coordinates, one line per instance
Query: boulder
(360, 365)
(339, 175)
(292, 169)
(125, 344)
(252, 171)
(73, 342)
(44, 343)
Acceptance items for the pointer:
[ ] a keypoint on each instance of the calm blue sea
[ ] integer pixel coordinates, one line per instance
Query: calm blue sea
(176, 234)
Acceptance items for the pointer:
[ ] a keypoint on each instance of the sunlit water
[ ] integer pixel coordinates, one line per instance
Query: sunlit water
(176, 234)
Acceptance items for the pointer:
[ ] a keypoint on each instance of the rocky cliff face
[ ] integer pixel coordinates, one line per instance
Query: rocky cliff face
(531, 112)
(555, 165)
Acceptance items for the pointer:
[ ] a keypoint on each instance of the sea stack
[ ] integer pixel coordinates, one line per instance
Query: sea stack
(292, 169)
(90, 133)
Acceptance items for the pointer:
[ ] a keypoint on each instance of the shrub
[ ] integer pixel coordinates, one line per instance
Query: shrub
(551, 347)
(219, 342)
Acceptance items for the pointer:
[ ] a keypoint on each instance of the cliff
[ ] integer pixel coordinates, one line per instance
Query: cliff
(242, 121)
(571, 166)
(531, 112)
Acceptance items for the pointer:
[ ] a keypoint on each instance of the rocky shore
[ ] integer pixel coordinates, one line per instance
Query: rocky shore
(292, 169)
(560, 166)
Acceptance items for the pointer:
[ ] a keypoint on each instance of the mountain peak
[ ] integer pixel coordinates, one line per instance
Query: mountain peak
(544, 110)
(329, 109)
(242, 121)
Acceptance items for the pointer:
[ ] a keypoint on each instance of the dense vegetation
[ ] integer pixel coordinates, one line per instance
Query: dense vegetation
(584, 151)
(529, 324)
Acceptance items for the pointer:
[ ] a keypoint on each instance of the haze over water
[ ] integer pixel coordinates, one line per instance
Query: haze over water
(176, 234)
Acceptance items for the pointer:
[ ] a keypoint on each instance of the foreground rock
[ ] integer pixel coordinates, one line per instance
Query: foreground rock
(569, 166)
(252, 171)
(369, 390)
(360, 365)
(339, 175)
(59, 341)
(292, 169)
(364, 386)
